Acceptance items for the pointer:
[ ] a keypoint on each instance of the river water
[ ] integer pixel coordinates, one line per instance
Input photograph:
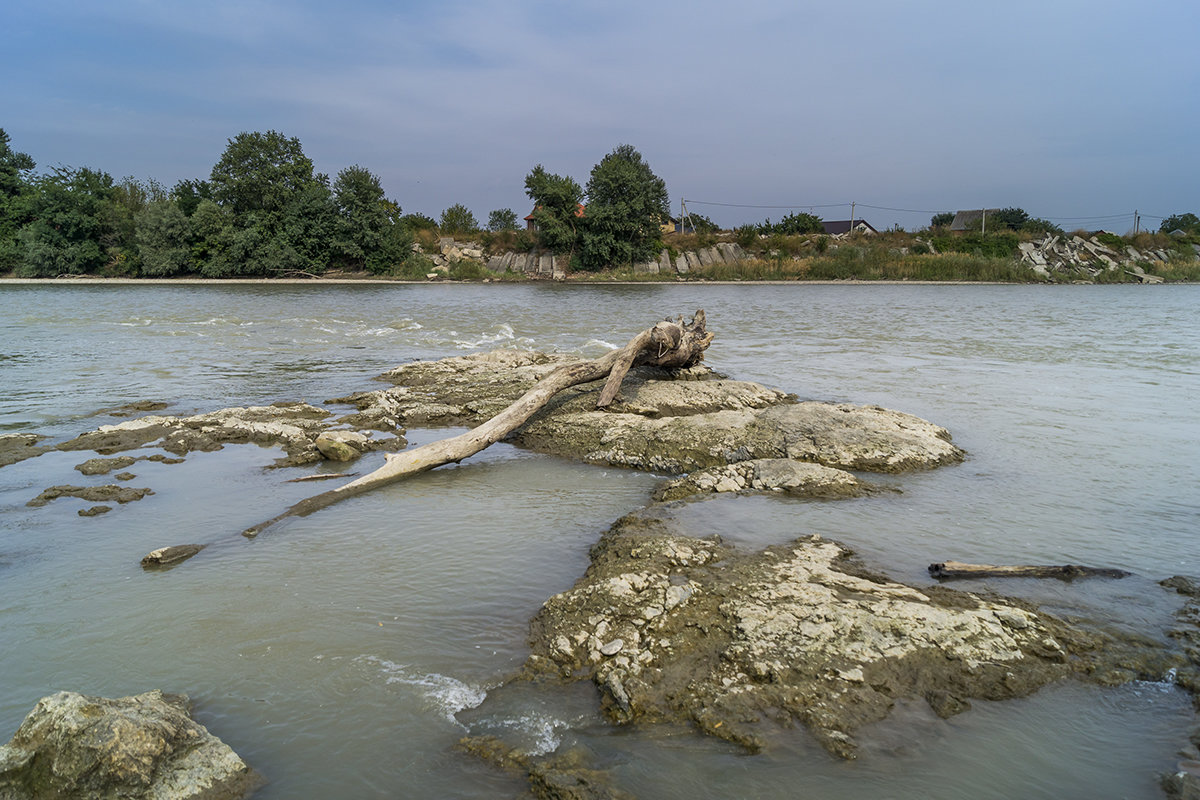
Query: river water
(344, 654)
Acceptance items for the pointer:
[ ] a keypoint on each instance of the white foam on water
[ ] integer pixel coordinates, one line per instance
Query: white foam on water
(600, 343)
(446, 694)
(503, 334)
(546, 732)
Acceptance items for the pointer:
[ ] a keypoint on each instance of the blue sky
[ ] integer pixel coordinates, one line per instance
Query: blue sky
(1072, 110)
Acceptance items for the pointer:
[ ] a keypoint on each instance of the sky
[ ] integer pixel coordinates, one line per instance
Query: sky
(1078, 112)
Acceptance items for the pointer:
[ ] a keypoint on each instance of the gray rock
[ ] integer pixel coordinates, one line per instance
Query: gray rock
(766, 475)
(693, 260)
(103, 466)
(704, 257)
(664, 262)
(795, 632)
(341, 445)
(133, 748)
(681, 264)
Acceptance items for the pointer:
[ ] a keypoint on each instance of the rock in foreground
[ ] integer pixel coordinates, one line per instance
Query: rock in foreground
(146, 746)
(676, 628)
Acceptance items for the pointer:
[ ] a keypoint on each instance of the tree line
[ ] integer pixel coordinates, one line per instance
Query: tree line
(265, 211)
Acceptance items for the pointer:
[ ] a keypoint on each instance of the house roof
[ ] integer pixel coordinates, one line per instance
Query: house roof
(834, 227)
(578, 212)
(963, 219)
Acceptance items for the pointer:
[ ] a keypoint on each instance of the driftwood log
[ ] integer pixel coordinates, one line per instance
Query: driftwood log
(956, 569)
(669, 344)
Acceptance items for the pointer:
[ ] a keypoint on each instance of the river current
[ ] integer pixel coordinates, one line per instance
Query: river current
(346, 653)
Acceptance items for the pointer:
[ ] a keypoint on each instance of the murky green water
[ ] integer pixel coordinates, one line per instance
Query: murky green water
(344, 654)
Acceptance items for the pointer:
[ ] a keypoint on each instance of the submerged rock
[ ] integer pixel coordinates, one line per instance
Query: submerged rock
(551, 777)
(16, 447)
(666, 421)
(294, 427)
(798, 632)
(109, 492)
(72, 746)
(103, 466)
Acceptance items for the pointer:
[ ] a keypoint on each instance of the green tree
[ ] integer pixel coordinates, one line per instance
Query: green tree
(188, 194)
(16, 171)
(458, 219)
(70, 223)
(1188, 223)
(627, 204)
(281, 213)
(370, 234)
(799, 223)
(502, 219)
(1010, 218)
(163, 238)
(557, 209)
(942, 220)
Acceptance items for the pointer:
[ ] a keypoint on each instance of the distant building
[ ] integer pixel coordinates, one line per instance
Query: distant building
(971, 220)
(530, 225)
(835, 227)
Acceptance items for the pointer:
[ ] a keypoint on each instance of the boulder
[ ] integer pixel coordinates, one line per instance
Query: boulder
(342, 445)
(145, 746)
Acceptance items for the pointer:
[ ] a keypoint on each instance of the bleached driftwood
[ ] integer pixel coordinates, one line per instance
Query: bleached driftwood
(668, 344)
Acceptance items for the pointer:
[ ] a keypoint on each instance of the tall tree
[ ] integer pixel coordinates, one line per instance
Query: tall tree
(16, 170)
(627, 204)
(369, 232)
(281, 212)
(557, 208)
(71, 221)
(163, 234)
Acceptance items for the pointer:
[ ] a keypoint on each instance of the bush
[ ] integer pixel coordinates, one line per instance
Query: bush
(458, 219)
(746, 236)
(992, 245)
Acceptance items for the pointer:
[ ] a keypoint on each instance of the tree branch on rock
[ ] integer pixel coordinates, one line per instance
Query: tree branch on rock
(669, 344)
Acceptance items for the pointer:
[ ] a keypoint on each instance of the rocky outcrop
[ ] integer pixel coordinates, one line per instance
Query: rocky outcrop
(766, 475)
(666, 421)
(75, 747)
(676, 628)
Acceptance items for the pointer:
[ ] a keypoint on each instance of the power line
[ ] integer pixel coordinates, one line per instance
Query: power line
(744, 205)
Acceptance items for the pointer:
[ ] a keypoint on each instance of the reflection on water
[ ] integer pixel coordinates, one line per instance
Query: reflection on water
(345, 653)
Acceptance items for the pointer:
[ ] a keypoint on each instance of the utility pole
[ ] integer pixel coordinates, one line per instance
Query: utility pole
(984, 223)
(1136, 222)
(851, 218)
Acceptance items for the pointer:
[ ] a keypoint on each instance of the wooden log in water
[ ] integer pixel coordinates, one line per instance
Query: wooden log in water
(957, 569)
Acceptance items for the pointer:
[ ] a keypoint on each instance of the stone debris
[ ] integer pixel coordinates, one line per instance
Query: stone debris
(144, 747)
(1087, 258)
